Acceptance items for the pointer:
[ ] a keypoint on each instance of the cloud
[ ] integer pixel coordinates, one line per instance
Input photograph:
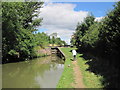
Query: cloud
(61, 18)
(64, 34)
(98, 18)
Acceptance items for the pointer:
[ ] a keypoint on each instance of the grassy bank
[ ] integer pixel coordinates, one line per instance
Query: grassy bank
(40, 52)
(90, 80)
(67, 78)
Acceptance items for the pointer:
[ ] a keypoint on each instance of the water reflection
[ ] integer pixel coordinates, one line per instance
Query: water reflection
(38, 73)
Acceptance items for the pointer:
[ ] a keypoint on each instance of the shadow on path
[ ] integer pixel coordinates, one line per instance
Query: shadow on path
(104, 68)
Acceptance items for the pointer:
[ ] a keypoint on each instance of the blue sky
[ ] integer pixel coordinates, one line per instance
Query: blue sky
(62, 17)
(41, 30)
(98, 9)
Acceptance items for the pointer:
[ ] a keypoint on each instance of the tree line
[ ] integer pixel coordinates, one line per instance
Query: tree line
(101, 39)
(19, 22)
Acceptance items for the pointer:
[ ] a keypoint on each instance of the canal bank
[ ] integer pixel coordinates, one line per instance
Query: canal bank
(36, 53)
(69, 76)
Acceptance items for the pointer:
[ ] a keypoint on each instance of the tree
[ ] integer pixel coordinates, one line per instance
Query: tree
(101, 40)
(82, 29)
(18, 23)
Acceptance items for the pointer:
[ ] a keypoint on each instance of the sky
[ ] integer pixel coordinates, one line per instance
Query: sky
(62, 17)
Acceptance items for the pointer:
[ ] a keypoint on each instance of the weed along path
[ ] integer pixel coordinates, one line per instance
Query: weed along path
(76, 74)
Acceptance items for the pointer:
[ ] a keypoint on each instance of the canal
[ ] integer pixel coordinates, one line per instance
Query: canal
(42, 72)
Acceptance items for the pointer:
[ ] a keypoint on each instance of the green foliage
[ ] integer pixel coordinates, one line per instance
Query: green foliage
(59, 42)
(67, 79)
(81, 30)
(18, 23)
(36, 53)
(12, 52)
(101, 39)
(91, 36)
(42, 39)
(110, 31)
(53, 40)
(90, 79)
(56, 40)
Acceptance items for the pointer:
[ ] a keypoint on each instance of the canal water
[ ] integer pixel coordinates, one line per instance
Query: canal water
(37, 73)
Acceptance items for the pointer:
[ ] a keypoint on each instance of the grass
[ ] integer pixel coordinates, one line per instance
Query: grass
(36, 53)
(67, 78)
(90, 80)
